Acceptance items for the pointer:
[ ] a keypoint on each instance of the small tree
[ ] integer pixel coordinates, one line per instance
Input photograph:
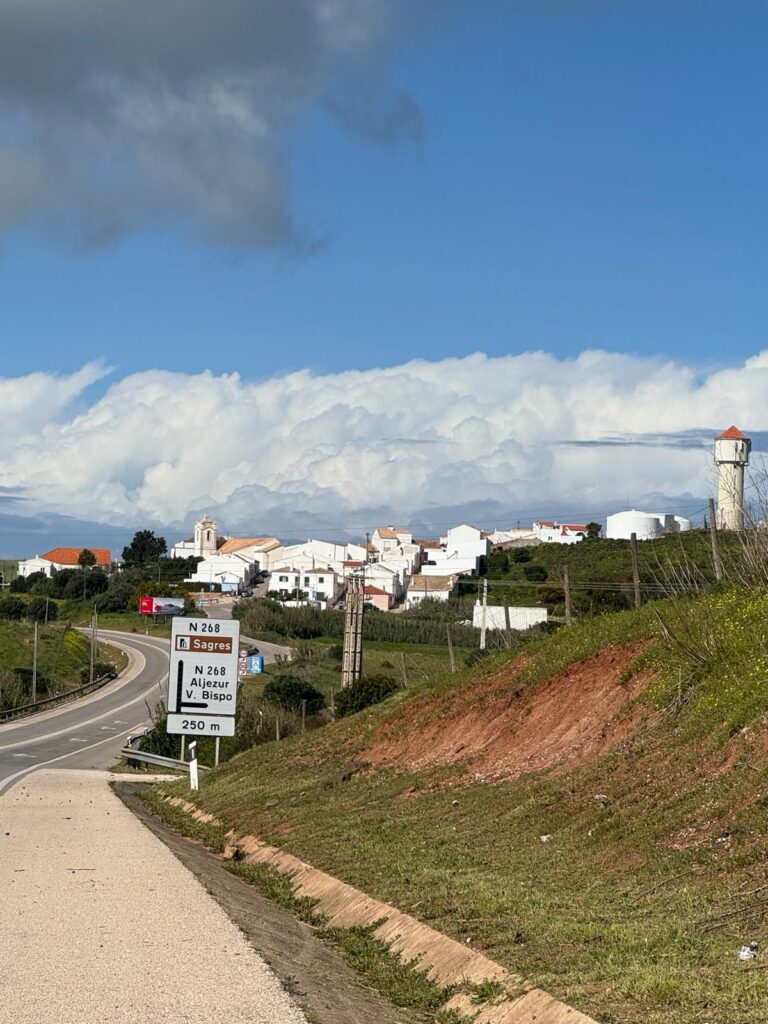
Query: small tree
(288, 692)
(593, 531)
(535, 573)
(38, 609)
(86, 559)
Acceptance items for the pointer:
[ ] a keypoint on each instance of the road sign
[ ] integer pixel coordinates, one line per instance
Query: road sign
(202, 679)
(255, 664)
(201, 725)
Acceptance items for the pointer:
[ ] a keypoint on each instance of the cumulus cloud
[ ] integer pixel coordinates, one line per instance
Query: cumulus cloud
(118, 115)
(312, 453)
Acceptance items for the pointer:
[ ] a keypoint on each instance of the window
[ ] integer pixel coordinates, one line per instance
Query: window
(321, 579)
(282, 579)
(306, 581)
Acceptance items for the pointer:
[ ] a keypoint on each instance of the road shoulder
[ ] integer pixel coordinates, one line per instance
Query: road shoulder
(318, 977)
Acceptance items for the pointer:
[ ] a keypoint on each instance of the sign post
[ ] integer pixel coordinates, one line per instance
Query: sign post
(203, 676)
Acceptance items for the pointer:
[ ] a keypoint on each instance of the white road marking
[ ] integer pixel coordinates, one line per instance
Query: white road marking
(5, 783)
(24, 755)
(90, 721)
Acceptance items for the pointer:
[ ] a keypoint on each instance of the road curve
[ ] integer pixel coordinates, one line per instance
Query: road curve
(89, 733)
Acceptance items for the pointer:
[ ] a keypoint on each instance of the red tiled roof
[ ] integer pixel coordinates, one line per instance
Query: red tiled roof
(375, 591)
(576, 527)
(351, 564)
(428, 543)
(69, 556)
(731, 434)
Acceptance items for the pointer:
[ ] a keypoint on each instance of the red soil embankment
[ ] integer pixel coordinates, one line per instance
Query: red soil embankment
(506, 729)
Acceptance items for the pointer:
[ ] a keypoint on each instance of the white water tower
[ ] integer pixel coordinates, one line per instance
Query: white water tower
(732, 450)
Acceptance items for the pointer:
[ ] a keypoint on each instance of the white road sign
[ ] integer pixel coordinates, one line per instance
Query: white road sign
(202, 679)
(201, 725)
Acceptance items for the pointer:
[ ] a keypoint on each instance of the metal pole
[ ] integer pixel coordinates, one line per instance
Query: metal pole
(93, 644)
(635, 572)
(34, 668)
(183, 745)
(303, 715)
(216, 745)
(484, 616)
(46, 610)
(716, 563)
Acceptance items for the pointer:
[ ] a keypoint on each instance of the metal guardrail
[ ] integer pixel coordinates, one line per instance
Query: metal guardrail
(59, 698)
(130, 753)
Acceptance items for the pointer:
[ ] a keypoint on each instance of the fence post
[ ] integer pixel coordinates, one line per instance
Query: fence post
(716, 563)
(567, 592)
(451, 655)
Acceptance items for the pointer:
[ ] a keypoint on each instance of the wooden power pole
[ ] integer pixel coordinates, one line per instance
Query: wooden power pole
(352, 660)
(635, 571)
(567, 593)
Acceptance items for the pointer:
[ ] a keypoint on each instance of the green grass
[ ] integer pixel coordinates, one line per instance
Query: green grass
(635, 908)
(62, 654)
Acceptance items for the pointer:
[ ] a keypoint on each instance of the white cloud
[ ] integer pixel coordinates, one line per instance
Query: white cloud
(336, 449)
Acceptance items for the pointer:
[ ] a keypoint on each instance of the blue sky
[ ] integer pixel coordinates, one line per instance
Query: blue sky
(589, 176)
(311, 204)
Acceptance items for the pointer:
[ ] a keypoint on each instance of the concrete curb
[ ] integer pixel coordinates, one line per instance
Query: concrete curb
(445, 961)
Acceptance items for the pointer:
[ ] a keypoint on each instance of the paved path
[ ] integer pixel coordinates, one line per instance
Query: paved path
(90, 732)
(101, 924)
(271, 652)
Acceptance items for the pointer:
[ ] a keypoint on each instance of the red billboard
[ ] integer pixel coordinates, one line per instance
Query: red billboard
(161, 605)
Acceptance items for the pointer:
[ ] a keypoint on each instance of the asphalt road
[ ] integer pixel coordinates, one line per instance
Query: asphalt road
(90, 732)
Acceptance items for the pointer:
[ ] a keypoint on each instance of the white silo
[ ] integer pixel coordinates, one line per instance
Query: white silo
(732, 450)
(645, 525)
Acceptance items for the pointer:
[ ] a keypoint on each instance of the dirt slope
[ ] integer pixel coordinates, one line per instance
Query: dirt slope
(503, 729)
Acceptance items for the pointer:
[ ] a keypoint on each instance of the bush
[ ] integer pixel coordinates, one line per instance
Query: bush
(11, 608)
(100, 668)
(39, 608)
(520, 555)
(18, 585)
(364, 693)
(535, 573)
(24, 678)
(288, 692)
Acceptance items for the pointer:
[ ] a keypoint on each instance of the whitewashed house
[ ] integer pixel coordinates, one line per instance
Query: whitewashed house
(322, 586)
(232, 571)
(550, 532)
(385, 577)
(256, 549)
(387, 538)
(434, 588)
(309, 555)
(62, 558)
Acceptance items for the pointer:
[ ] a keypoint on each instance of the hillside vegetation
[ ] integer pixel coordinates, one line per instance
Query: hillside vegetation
(590, 812)
(63, 655)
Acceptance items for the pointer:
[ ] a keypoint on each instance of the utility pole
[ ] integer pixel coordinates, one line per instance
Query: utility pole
(635, 571)
(352, 659)
(484, 616)
(451, 655)
(93, 642)
(34, 667)
(716, 563)
(46, 610)
(507, 623)
(567, 592)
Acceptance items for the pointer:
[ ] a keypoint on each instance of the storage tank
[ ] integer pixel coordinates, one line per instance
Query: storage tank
(621, 525)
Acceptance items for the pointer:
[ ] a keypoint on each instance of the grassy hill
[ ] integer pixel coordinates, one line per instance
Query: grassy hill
(63, 655)
(590, 812)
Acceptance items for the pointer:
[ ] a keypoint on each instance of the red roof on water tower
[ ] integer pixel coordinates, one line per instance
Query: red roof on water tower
(731, 434)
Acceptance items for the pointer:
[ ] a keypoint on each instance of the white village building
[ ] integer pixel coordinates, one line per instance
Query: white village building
(62, 558)
(550, 532)
(320, 586)
(432, 588)
(232, 572)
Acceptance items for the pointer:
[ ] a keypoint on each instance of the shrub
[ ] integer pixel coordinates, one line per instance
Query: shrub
(535, 573)
(18, 585)
(364, 693)
(100, 668)
(288, 692)
(39, 608)
(520, 555)
(11, 608)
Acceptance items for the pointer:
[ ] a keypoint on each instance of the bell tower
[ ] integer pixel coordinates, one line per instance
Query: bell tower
(206, 537)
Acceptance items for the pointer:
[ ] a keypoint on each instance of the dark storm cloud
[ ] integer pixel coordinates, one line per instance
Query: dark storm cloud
(116, 115)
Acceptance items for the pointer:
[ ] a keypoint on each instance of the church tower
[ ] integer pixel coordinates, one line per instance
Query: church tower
(206, 537)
